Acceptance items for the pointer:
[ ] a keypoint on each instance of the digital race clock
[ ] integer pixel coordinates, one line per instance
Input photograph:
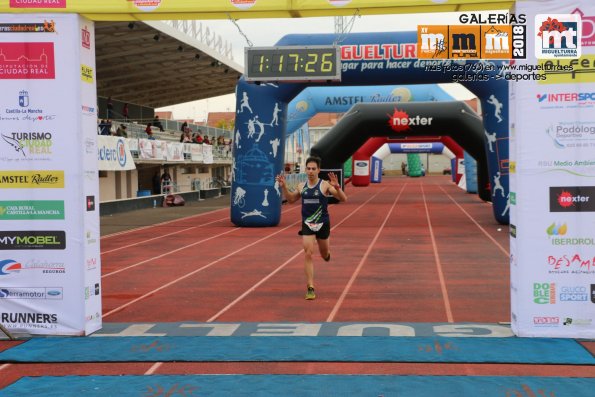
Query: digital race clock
(292, 63)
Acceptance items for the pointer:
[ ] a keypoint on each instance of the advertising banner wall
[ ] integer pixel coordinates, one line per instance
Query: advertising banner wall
(552, 195)
(50, 267)
(113, 154)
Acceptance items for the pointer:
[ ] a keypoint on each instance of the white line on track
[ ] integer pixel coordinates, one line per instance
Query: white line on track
(170, 252)
(161, 224)
(153, 368)
(117, 309)
(175, 250)
(341, 299)
(262, 281)
(163, 235)
(438, 263)
(504, 250)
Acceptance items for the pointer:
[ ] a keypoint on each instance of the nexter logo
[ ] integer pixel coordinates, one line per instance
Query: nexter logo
(557, 36)
(400, 121)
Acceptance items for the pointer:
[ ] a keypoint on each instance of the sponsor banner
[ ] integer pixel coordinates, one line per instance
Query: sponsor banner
(50, 179)
(87, 74)
(33, 269)
(27, 61)
(32, 240)
(132, 144)
(45, 27)
(31, 210)
(554, 194)
(113, 154)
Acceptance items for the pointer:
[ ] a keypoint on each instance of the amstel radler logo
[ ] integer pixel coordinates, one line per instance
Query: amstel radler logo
(52, 179)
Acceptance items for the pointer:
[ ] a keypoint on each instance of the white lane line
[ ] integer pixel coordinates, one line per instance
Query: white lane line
(337, 306)
(153, 368)
(117, 309)
(160, 224)
(445, 298)
(504, 250)
(258, 284)
(163, 235)
(169, 252)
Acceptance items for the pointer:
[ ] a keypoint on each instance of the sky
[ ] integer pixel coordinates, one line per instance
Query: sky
(267, 32)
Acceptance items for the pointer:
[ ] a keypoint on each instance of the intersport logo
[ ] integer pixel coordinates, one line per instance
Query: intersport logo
(27, 61)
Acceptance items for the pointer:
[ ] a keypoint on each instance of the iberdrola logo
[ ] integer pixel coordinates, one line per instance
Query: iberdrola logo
(557, 230)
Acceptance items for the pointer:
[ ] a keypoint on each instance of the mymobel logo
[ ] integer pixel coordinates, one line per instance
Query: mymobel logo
(401, 121)
(572, 199)
(557, 36)
(34, 239)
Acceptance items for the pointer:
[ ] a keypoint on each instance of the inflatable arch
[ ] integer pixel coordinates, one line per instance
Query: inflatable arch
(385, 150)
(454, 118)
(373, 145)
(313, 100)
(367, 59)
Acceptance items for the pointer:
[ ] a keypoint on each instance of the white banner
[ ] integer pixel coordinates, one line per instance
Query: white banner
(132, 144)
(113, 154)
(48, 140)
(196, 152)
(207, 153)
(175, 151)
(552, 193)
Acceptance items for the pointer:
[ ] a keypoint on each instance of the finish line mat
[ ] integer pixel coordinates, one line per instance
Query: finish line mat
(299, 385)
(300, 349)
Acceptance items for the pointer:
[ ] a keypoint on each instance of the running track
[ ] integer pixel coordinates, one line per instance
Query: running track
(405, 250)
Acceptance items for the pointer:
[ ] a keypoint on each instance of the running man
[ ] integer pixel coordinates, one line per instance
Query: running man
(316, 225)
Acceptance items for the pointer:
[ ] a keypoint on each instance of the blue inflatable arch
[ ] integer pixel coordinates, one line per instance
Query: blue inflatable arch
(313, 100)
(367, 59)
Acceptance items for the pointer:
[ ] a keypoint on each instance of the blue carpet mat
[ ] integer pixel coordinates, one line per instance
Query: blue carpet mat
(295, 349)
(299, 385)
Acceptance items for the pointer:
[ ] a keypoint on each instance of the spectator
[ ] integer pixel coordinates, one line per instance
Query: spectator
(184, 126)
(156, 183)
(220, 140)
(149, 131)
(157, 123)
(121, 131)
(198, 137)
(110, 108)
(206, 140)
(104, 128)
(166, 181)
(185, 137)
(125, 111)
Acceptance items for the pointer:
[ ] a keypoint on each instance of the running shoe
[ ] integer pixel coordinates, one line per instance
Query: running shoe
(310, 294)
(328, 257)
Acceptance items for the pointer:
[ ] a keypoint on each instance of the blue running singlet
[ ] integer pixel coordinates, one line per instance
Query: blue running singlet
(314, 206)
